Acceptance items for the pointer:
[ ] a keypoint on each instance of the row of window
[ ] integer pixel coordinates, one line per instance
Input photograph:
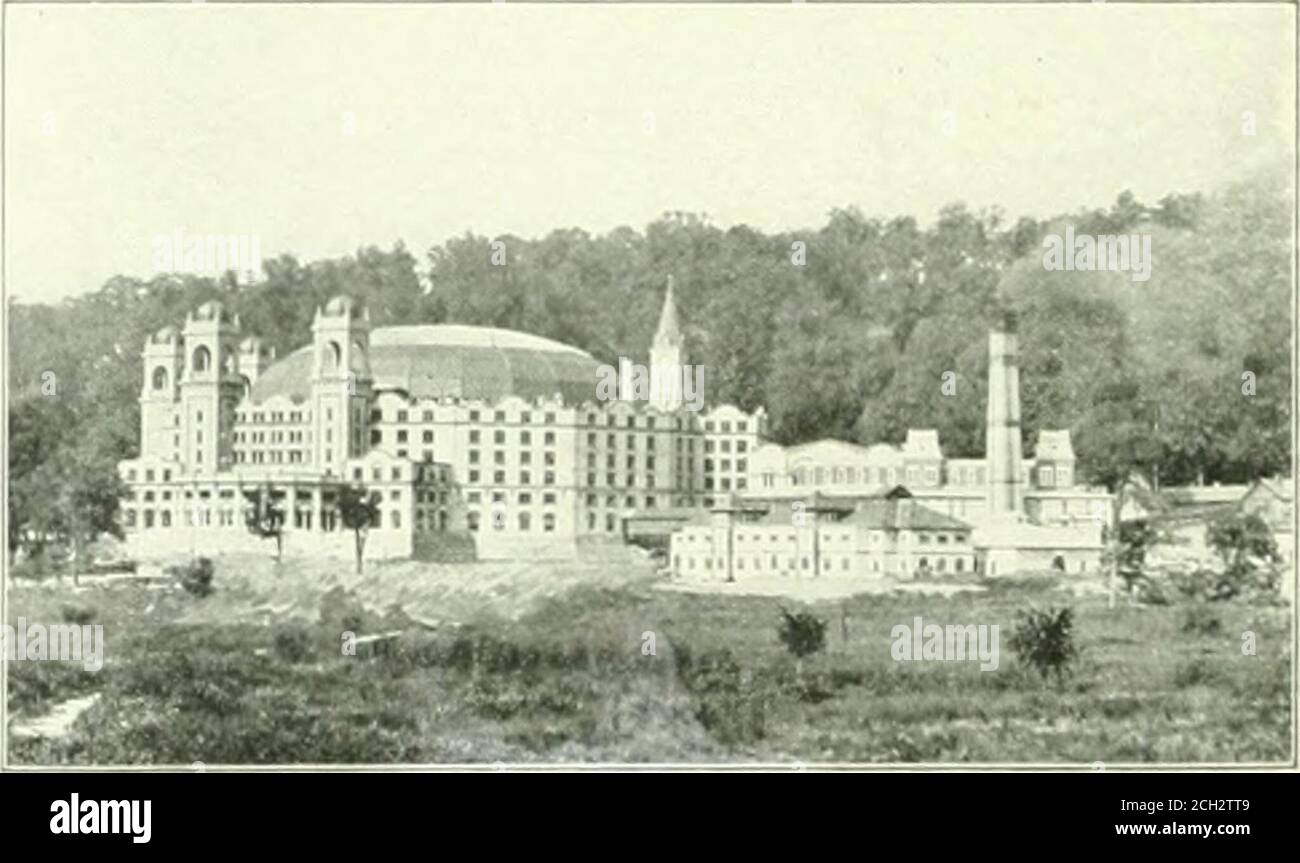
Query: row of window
(725, 446)
(498, 521)
(292, 456)
(725, 465)
(202, 517)
(523, 521)
(875, 537)
(524, 418)
(523, 497)
(259, 417)
(278, 436)
(845, 564)
(1048, 477)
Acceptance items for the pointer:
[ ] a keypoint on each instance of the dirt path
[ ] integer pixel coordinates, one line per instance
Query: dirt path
(56, 723)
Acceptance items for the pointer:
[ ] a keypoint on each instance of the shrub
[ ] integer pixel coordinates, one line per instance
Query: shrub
(81, 615)
(1201, 620)
(1044, 641)
(1146, 590)
(195, 576)
(1242, 579)
(802, 633)
(731, 702)
(1198, 672)
(292, 645)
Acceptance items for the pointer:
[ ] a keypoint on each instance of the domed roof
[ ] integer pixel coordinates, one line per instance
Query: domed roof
(344, 306)
(165, 335)
(453, 360)
(212, 311)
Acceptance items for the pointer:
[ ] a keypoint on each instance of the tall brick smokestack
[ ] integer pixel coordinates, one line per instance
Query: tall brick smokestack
(1002, 433)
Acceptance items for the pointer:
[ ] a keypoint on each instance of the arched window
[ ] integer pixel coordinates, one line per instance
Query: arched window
(1058, 563)
(160, 378)
(202, 359)
(331, 356)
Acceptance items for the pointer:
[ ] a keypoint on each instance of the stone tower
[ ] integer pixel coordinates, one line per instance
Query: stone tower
(164, 364)
(254, 359)
(210, 388)
(341, 384)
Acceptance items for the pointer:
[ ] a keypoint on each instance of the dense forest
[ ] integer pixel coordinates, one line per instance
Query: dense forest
(843, 331)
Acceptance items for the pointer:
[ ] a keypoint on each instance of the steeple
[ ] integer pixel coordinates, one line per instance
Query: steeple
(666, 363)
(670, 331)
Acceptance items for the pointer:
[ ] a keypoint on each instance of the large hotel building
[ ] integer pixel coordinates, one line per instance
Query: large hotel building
(487, 443)
(478, 442)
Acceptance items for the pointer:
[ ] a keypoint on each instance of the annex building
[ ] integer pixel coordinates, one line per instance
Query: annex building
(836, 509)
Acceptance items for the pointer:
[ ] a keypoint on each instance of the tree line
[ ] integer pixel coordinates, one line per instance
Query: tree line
(846, 331)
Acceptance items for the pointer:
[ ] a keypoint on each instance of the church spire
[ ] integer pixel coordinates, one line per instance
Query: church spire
(666, 351)
(670, 331)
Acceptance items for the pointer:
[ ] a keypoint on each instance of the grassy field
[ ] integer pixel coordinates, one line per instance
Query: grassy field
(234, 678)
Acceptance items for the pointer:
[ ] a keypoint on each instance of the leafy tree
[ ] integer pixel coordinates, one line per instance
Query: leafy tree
(1044, 641)
(1135, 537)
(359, 510)
(86, 503)
(1246, 545)
(803, 634)
(266, 517)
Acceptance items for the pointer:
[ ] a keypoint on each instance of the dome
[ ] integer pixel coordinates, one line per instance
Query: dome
(165, 335)
(344, 306)
(453, 361)
(212, 311)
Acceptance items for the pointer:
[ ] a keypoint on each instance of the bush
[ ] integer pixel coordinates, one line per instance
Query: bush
(1044, 641)
(1201, 620)
(195, 577)
(292, 645)
(1198, 672)
(802, 633)
(81, 615)
(731, 702)
(1250, 580)
(1146, 590)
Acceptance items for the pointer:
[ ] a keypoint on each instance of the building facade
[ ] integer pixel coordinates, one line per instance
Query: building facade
(830, 508)
(474, 441)
(892, 536)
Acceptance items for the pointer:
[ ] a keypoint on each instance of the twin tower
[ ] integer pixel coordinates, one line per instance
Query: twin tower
(196, 378)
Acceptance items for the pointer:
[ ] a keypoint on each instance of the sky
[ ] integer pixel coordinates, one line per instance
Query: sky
(318, 130)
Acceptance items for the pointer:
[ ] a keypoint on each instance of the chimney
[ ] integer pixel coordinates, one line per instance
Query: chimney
(1002, 433)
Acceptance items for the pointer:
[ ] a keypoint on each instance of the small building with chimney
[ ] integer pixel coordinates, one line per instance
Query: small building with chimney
(1004, 513)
